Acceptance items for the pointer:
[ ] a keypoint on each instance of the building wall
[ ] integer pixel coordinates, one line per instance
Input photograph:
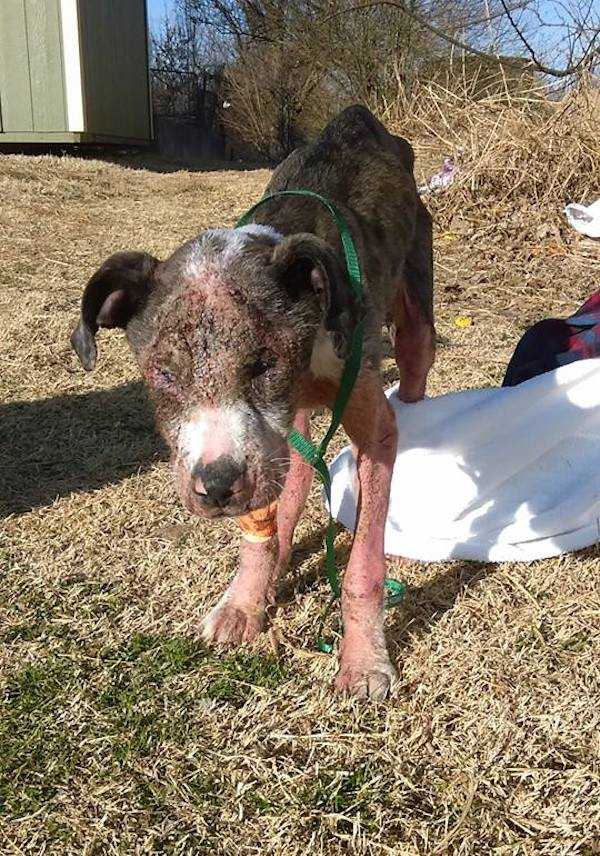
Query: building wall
(31, 71)
(114, 51)
(74, 71)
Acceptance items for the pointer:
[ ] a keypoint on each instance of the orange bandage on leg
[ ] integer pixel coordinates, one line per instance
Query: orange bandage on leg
(259, 525)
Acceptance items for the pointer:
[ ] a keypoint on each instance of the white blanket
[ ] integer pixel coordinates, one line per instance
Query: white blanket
(585, 219)
(508, 474)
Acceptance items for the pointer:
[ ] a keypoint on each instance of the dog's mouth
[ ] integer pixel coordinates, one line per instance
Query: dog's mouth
(255, 495)
(233, 509)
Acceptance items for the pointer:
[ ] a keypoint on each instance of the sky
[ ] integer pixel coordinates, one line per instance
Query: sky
(549, 8)
(156, 11)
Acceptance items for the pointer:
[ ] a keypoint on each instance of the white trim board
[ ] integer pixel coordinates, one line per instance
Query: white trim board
(69, 16)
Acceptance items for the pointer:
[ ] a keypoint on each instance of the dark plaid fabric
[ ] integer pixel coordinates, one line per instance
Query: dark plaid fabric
(555, 342)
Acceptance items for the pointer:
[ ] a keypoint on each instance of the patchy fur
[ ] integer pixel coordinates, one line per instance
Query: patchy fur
(242, 332)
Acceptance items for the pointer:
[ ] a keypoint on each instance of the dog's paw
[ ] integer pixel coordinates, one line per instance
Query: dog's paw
(371, 678)
(231, 623)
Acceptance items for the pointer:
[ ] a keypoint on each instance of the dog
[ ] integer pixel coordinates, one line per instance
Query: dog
(242, 333)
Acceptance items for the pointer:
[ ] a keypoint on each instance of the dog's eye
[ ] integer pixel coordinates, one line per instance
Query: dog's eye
(260, 366)
(161, 378)
(165, 377)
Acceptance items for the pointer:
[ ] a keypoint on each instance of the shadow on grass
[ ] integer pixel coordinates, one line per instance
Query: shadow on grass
(52, 447)
(422, 606)
(300, 581)
(153, 162)
(147, 159)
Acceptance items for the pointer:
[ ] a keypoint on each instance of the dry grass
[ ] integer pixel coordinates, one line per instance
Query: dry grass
(119, 732)
(522, 155)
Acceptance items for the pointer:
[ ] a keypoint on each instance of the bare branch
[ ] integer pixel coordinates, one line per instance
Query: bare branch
(441, 33)
(459, 24)
(420, 19)
(571, 68)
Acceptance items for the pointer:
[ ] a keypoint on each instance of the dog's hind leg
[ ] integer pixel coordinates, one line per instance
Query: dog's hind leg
(414, 345)
(240, 615)
(414, 341)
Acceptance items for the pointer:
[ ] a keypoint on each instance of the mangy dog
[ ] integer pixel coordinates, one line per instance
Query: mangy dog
(240, 334)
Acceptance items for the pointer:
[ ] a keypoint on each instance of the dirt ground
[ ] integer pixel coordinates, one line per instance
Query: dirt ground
(119, 732)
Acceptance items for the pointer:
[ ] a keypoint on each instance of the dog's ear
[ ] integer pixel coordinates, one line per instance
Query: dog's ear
(304, 263)
(113, 295)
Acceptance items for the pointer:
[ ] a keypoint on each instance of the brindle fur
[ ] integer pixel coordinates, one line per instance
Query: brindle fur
(240, 333)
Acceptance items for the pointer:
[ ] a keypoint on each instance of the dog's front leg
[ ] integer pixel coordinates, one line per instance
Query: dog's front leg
(365, 667)
(240, 614)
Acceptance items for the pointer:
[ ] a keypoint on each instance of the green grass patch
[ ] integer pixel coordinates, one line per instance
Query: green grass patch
(240, 673)
(36, 752)
(158, 657)
(132, 698)
(351, 793)
(261, 805)
(203, 789)
(133, 701)
(26, 631)
(133, 706)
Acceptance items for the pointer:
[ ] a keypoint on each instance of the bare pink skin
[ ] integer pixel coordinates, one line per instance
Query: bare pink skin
(228, 330)
(240, 614)
(218, 442)
(219, 389)
(365, 667)
(414, 345)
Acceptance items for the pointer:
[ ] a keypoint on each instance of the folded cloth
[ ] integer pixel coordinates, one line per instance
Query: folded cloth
(555, 342)
(500, 474)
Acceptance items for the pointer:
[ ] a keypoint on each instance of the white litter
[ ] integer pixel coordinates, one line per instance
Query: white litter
(504, 474)
(442, 179)
(585, 219)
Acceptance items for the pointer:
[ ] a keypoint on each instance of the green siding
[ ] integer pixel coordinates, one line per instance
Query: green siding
(57, 137)
(31, 75)
(45, 65)
(115, 67)
(15, 86)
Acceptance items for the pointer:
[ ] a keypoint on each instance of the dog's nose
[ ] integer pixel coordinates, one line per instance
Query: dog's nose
(217, 482)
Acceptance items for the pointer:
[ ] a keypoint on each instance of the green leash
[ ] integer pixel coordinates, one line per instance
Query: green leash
(315, 455)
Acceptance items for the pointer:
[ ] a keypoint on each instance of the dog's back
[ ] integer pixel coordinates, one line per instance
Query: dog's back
(368, 173)
(355, 162)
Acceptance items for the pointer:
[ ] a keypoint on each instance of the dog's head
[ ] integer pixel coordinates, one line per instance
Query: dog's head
(223, 331)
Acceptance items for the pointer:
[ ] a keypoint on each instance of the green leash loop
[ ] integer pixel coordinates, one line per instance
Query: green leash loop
(315, 455)
(350, 254)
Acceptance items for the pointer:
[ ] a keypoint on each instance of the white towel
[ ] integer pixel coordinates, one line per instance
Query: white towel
(586, 219)
(503, 474)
